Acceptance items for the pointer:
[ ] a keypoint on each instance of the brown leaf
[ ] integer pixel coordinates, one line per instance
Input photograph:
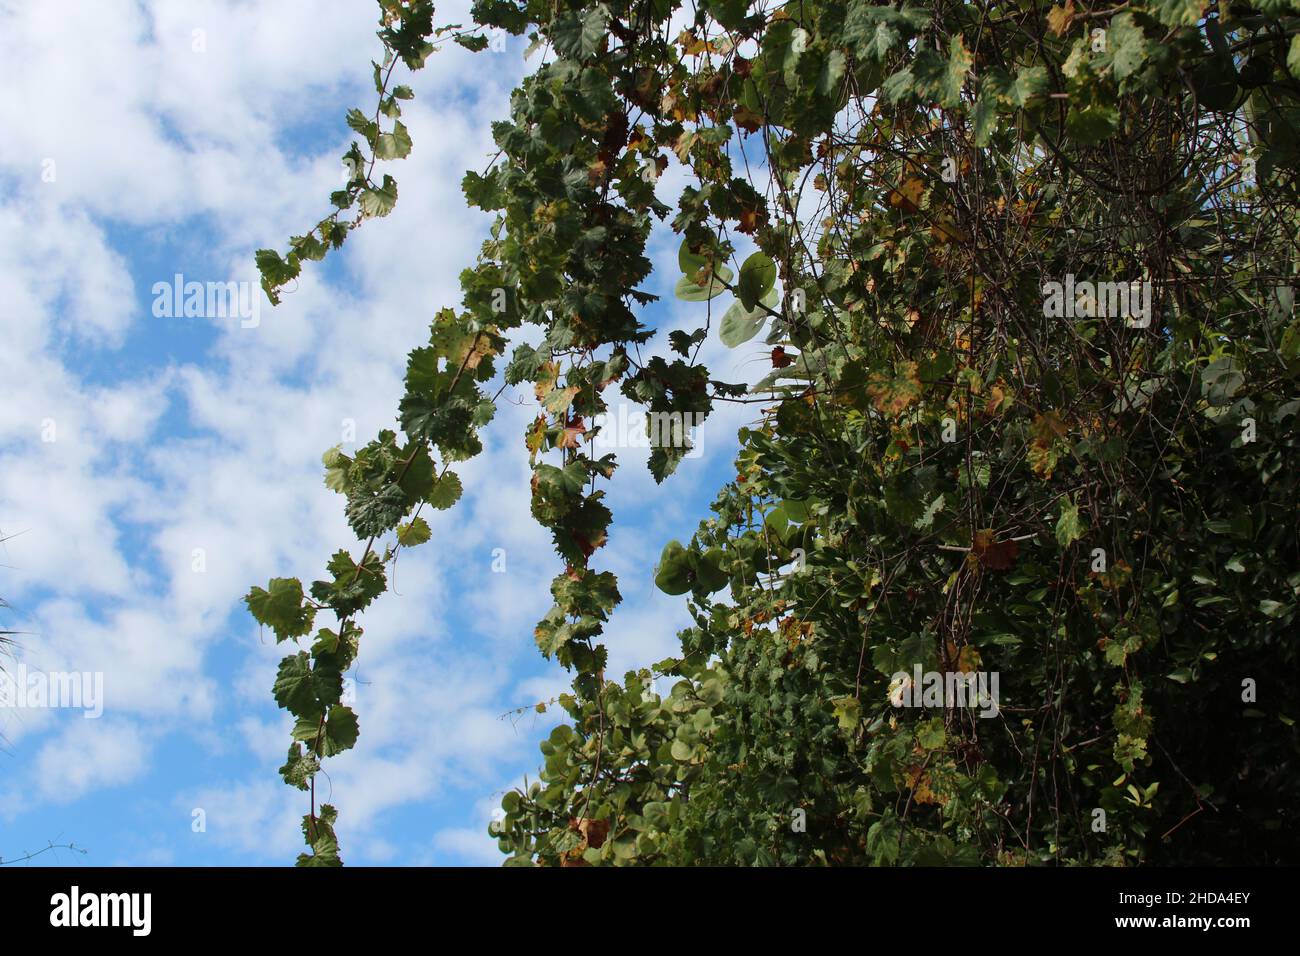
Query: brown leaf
(571, 434)
(994, 555)
(997, 394)
(478, 348)
(594, 832)
(969, 660)
(919, 781)
(747, 119)
(588, 546)
(751, 220)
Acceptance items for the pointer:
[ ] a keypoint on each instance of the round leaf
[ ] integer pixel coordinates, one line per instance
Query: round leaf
(757, 278)
(739, 324)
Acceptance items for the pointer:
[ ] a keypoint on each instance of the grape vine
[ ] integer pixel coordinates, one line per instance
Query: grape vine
(1023, 275)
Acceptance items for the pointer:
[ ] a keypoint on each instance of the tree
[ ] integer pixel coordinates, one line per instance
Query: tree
(1025, 277)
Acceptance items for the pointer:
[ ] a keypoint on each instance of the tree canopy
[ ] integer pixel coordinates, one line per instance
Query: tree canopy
(1024, 277)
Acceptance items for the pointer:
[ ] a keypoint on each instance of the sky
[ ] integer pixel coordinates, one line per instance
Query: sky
(153, 468)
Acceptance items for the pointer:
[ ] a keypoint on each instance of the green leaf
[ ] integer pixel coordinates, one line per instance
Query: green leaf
(353, 586)
(882, 840)
(984, 118)
(379, 202)
(1029, 82)
(1128, 46)
(372, 514)
(417, 531)
(709, 573)
(325, 852)
(927, 520)
(878, 41)
(552, 482)
(739, 326)
(1178, 13)
(673, 574)
(472, 43)
(305, 691)
(320, 836)
(757, 278)
(1092, 123)
(394, 145)
(276, 272)
(959, 64)
(446, 491)
(848, 712)
(690, 291)
(931, 734)
(592, 593)
(336, 469)
(1068, 527)
(327, 642)
(299, 768)
(1221, 380)
(280, 607)
(416, 479)
(362, 124)
(832, 73)
(337, 734)
(689, 262)
(578, 35)
(898, 86)
(1273, 608)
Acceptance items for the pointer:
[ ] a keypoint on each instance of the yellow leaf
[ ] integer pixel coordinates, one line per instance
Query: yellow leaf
(945, 231)
(908, 196)
(893, 396)
(1058, 18)
(550, 374)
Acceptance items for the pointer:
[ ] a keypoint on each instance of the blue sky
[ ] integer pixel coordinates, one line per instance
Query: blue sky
(137, 148)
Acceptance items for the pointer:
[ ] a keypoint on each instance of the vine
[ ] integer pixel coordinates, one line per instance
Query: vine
(962, 463)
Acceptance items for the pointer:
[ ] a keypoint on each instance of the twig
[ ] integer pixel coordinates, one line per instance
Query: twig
(31, 856)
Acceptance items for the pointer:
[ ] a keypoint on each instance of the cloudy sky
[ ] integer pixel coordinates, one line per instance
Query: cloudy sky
(153, 468)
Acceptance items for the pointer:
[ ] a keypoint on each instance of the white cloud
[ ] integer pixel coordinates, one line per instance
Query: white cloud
(168, 492)
(467, 845)
(87, 755)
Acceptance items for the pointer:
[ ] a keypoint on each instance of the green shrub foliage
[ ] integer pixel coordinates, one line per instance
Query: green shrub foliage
(1023, 275)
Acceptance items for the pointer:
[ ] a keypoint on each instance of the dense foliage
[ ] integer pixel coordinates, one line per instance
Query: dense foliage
(968, 456)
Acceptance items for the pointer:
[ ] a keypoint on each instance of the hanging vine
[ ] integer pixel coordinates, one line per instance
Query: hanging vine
(1023, 276)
